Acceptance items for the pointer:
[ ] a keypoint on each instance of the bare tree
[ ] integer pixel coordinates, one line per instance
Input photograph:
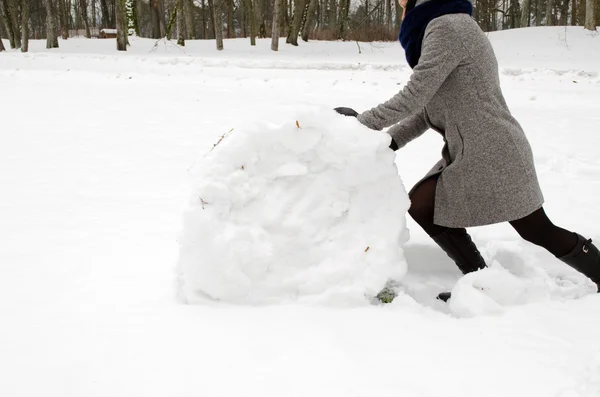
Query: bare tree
(276, 25)
(549, 6)
(525, 13)
(121, 20)
(296, 21)
(252, 19)
(84, 17)
(5, 16)
(310, 14)
(51, 37)
(230, 26)
(14, 16)
(1, 43)
(180, 23)
(218, 23)
(188, 11)
(63, 16)
(590, 15)
(25, 25)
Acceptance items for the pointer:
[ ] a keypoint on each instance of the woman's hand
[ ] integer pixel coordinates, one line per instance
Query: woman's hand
(347, 111)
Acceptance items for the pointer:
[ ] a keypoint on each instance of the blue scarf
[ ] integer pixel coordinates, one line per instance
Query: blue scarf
(416, 20)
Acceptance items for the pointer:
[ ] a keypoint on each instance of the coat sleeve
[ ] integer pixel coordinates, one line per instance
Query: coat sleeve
(441, 53)
(408, 129)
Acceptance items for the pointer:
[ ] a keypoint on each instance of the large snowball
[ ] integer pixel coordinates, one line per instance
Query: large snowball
(312, 210)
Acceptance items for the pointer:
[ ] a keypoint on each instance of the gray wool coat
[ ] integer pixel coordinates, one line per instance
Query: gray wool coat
(486, 174)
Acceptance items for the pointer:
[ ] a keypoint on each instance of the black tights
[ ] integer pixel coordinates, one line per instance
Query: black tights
(535, 227)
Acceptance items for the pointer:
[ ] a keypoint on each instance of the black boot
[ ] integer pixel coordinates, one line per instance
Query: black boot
(585, 258)
(460, 248)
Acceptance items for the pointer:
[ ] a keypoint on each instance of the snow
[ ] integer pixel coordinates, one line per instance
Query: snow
(311, 210)
(97, 159)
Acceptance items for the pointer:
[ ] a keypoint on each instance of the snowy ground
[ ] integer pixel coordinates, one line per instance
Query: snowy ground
(95, 149)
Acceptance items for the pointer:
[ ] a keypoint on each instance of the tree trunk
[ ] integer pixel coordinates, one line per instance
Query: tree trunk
(203, 5)
(525, 13)
(276, 24)
(24, 25)
(218, 23)
(5, 13)
(51, 38)
(296, 21)
(14, 15)
(310, 14)
(155, 16)
(84, 17)
(105, 14)
(1, 43)
(388, 13)
(188, 13)
(573, 12)
(62, 18)
(590, 15)
(549, 21)
(252, 20)
(343, 19)
(121, 20)
(230, 27)
(180, 23)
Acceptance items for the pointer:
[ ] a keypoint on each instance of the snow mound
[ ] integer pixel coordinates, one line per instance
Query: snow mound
(515, 278)
(311, 211)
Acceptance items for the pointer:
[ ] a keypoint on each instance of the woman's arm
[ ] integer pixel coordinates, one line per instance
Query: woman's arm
(408, 129)
(442, 52)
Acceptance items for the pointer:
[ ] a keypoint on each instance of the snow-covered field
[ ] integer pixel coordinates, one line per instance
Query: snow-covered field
(96, 153)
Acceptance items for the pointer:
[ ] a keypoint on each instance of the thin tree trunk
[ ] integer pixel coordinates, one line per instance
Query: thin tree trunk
(62, 17)
(218, 23)
(203, 4)
(5, 13)
(1, 43)
(549, 7)
(310, 14)
(121, 19)
(573, 12)
(84, 17)
(230, 27)
(180, 23)
(211, 16)
(252, 20)
(343, 19)
(105, 14)
(188, 11)
(296, 21)
(24, 25)
(51, 38)
(155, 17)
(388, 13)
(590, 15)
(276, 24)
(14, 15)
(525, 13)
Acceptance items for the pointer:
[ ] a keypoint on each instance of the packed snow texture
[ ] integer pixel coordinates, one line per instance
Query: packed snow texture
(311, 210)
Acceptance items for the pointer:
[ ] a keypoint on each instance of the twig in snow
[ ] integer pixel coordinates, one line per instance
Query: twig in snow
(220, 140)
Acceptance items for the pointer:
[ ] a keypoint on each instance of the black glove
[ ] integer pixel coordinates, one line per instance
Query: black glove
(346, 111)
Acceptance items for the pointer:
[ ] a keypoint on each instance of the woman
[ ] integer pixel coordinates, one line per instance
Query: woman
(486, 174)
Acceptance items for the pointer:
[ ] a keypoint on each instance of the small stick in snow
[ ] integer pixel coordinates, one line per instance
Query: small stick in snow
(298, 124)
(202, 202)
(220, 140)
(367, 249)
